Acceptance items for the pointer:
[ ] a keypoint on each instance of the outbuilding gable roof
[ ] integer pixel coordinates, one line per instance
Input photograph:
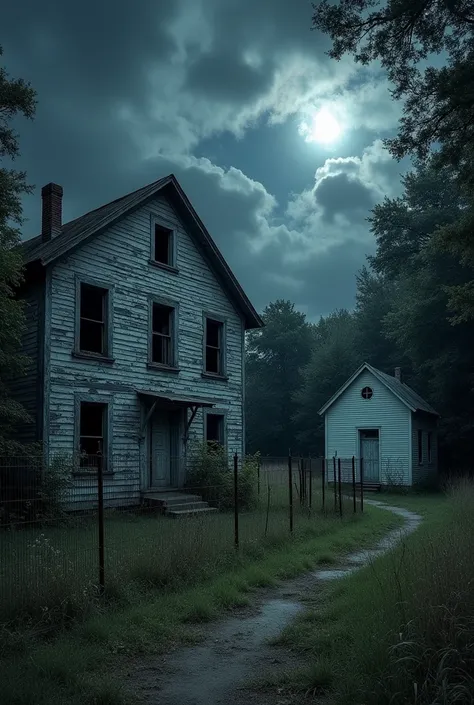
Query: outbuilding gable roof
(78, 231)
(401, 390)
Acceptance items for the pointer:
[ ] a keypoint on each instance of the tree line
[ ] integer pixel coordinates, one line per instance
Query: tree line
(415, 297)
(403, 316)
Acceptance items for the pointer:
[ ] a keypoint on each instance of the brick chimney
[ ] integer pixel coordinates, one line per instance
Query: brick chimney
(52, 195)
(398, 373)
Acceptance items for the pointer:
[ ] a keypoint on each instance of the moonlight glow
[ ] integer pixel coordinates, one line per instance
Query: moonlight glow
(321, 127)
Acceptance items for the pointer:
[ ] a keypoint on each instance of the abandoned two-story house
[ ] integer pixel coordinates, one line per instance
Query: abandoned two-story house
(135, 330)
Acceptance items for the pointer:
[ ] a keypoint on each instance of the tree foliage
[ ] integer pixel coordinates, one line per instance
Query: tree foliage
(333, 360)
(402, 318)
(427, 50)
(403, 36)
(16, 98)
(276, 355)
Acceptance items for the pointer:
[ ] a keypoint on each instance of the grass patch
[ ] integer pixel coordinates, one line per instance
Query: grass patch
(69, 669)
(49, 575)
(401, 629)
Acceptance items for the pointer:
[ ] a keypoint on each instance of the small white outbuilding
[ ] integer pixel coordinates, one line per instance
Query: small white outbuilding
(378, 418)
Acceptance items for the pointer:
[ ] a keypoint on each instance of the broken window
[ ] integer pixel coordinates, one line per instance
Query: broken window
(93, 315)
(162, 339)
(163, 246)
(214, 430)
(214, 347)
(92, 432)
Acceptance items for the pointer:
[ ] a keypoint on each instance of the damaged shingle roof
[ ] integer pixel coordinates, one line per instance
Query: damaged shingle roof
(78, 231)
(405, 393)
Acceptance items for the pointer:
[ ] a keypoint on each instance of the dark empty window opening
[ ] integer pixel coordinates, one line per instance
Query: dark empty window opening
(214, 349)
(367, 393)
(162, 342)
(369, 433)
(92, 432)
(163, 245)
(420, 447)
(429, 440)
(92, 334)
(214, 430)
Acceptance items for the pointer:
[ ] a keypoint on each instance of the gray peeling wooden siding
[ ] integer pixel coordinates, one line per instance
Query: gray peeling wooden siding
(427, 471)
(119, 259)
(26, 389)
(383, 411)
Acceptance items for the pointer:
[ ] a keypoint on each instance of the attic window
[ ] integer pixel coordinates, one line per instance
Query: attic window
(163, 245)
(367, 393)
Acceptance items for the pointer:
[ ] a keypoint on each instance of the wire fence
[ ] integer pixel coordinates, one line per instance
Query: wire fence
(84, 527)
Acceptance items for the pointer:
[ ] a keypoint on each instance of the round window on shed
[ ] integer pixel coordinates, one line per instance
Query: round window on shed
(367, 393)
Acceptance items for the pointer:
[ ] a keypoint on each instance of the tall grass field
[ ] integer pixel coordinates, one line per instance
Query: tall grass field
(189, 573)
(402, 629)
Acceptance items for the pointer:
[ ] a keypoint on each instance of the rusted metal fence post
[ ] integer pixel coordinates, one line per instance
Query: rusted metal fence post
(335, 484)
(268, 508)
(339, 482)
(305, 480)
(310, 482)
(323, 476)
(236, 501)
(290, 490)
(354, 485)
(100, 501)
(300, 478)
(258, 476)
(362, 484)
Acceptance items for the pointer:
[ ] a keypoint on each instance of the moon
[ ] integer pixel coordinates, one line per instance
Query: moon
(321, 127)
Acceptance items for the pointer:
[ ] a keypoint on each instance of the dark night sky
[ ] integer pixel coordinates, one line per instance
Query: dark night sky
(215, 91)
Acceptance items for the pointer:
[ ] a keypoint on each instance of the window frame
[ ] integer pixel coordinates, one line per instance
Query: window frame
(429, 444)
(216, 412)
(107, 401)
(174, 306)
(222, 375)
(160, 223)
(420, 446)
(107, 356)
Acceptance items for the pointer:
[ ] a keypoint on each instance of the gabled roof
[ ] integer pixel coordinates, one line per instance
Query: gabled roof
(402, 391)
(78, 231)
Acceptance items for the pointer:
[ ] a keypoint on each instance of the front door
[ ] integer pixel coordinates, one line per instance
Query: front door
(160, 451)
(369, 451)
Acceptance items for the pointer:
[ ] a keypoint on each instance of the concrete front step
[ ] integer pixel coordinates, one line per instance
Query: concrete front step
(177, 507)
(176, 504)
(175, 514)
(168, 499)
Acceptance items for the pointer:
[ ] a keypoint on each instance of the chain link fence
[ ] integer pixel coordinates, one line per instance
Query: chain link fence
(82, 527)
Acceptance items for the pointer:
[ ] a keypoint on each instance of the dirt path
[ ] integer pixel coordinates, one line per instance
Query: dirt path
(235, 650)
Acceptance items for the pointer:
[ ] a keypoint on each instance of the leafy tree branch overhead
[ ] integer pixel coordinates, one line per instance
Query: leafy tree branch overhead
(405, 37)
(17, 98)
(427, 51)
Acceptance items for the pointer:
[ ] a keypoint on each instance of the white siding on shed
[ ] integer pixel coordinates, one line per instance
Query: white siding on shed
(426, 472)
(384, 411)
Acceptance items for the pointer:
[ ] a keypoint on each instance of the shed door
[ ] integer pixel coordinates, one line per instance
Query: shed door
(369, 451)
